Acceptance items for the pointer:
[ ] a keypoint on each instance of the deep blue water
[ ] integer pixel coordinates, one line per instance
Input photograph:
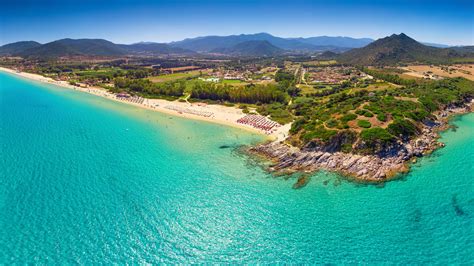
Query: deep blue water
(87, 180)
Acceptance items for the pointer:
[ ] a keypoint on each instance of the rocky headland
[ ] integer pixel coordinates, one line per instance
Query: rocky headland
(380, 167)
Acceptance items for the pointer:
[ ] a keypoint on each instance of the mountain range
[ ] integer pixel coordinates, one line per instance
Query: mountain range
(251, 48)
(312, 44)
(88, 47)
(231, 45)
(389, 50)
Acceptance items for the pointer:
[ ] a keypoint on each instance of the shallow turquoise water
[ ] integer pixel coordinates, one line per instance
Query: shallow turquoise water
(84, 180)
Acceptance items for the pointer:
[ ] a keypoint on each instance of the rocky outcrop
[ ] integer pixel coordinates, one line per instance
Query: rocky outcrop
(367, 168)
(335, 144)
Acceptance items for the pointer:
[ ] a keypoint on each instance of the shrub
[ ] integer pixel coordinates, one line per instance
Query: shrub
(417, 115)
(382, 117)
(402, 127)
(298, 125)
(365, 113)
(277, 112)
(372, 135)
(346, 147)
(364, 123)
(368, 114)
(332, 123)
(348, 117)
(319, 133)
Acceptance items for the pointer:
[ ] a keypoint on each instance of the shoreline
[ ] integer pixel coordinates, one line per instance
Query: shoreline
(368, 169)
(286, 158)
(222, 115)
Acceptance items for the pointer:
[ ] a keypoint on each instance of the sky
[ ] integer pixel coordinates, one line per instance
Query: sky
(448, 22)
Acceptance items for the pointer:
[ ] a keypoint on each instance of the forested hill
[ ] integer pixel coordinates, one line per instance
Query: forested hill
(390, 50)
(17, 47)
(400, 48)
(154, 49)
(87, 47)
(71, 47)
(311, 44)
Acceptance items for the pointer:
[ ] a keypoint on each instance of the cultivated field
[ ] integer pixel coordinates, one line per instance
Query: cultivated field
(175, 76)
(320, 63)
(420, 71)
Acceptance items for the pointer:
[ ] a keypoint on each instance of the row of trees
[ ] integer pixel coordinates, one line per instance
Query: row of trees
(284, 76)
(242, 94)
(251, 94)
(146, 87)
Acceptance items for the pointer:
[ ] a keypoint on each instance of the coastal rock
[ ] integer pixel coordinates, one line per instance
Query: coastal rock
(347, 164)
(302, 181)
(324, 157)
(390, 160)
(362, 172)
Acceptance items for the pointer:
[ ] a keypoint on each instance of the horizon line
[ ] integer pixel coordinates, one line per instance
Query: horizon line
(235, 34)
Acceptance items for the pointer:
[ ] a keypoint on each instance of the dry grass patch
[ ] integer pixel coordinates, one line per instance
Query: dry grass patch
(452, 71)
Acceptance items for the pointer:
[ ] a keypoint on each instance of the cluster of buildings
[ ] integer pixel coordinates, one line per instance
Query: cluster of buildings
(243, 75)
(431, 75)
(210, 79)
(227, 74)
(331, 74)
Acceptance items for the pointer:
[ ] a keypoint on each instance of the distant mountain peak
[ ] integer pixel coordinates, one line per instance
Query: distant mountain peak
(88, 47)
(401, 35)
(311, 44)
(251, 48)
(17, 47)
(393, 49)
(398, 48)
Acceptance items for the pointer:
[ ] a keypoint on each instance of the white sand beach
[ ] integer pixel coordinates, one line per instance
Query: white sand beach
(200, 111)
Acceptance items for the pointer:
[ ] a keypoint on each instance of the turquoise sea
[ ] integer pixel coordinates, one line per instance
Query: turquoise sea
(87, 180)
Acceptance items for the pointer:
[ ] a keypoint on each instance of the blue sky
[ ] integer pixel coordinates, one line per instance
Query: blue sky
(128, 21)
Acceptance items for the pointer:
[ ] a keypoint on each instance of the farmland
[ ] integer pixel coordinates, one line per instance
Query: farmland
(176, 76)
(443, 71)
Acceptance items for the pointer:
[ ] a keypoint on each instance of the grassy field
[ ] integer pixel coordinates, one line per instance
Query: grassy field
(320, 63)
(96, 72)
(380, 86)
(410, 76)
(465, 71)
(175, 76)
(306, 89)
(232, 81)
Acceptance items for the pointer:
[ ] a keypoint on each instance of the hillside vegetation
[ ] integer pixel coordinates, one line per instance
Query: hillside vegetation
(398, 49)
(366, 122)
(87, 47)
(17, 47)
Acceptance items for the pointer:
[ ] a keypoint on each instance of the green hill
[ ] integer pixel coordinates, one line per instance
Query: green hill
(71, 47)
(154, 49)
(328, 55)
(312, 44)
(17, 47)
(400, 48)
(88, 47)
